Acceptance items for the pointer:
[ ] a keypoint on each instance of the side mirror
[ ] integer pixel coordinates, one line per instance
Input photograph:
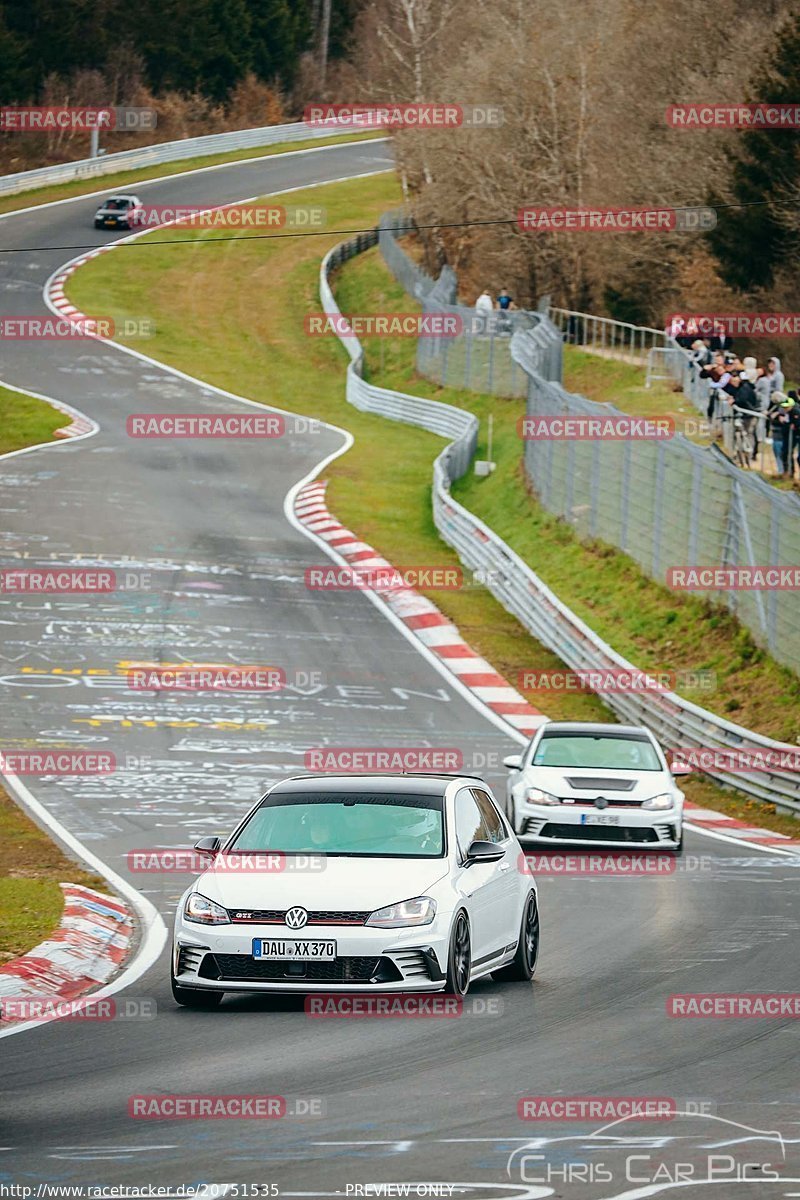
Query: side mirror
(513, 762)
(679, 768)
(209, 846)
(484, 852)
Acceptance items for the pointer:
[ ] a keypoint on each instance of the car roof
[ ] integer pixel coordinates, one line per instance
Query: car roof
(423, 783)
(595, 727)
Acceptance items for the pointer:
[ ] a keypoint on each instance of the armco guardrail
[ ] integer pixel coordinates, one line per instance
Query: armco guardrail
(676, 722)
(165, 152)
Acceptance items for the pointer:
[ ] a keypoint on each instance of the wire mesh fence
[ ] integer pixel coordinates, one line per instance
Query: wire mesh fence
(478, 357)
(670, 505)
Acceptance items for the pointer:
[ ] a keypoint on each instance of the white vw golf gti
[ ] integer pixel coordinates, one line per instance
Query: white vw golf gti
(359, 884)
(580, 782)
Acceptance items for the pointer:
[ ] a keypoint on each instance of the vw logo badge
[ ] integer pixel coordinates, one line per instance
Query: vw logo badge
(296, 918)
(601, 802)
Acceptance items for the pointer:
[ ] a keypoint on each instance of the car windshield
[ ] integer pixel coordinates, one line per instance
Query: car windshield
(116, 202)
(605, 751)
(364, 825)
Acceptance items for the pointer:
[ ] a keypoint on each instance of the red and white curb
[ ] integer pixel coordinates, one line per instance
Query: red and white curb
(717, 822)
(89, 946)
(420, 615)
(443, 639)
(54, 290)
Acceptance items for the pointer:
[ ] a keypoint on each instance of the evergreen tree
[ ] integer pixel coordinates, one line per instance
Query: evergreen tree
(750, 243)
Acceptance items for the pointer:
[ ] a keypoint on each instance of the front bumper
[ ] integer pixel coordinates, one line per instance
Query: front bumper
(561, 824)
(220, 958)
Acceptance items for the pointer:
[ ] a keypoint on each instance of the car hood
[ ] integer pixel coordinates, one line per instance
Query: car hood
(342, 883)
(111, 212)
(586, 783)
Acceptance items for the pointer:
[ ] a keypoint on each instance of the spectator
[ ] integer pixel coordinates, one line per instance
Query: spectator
(743, 398)
(780, 418)
(763, 389)
(750, 369)
(701, 353)
(504, 301)
(718, 378)
(721, 340)
(794, 433)
(775, 374)
(484, 303)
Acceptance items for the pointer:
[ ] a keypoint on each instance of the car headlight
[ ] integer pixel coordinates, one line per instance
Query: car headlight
(662, 800)
(204, 911)
(419, 911)
(537, 796)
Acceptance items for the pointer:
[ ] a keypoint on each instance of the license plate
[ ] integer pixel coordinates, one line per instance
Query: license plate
(298, 949)
(598, 819)
(111, 221)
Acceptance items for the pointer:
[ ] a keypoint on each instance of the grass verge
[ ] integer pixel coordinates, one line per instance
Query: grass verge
(26, 421)
(110, 183)
(31, 868)
(251, 340)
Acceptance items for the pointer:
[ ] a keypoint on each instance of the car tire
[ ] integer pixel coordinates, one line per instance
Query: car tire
(194, 997)
(459, 957)
(522, 966)
(511, 813)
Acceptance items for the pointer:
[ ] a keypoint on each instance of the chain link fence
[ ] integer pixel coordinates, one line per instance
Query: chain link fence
(478, 358)
(668, 503)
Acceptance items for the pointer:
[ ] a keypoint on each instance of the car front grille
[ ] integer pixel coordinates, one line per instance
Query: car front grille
(600, 784)
(610, 803)
(277, 916)
(598, 833)
(241, 968)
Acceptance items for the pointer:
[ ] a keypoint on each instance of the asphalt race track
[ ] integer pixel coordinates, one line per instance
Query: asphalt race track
(408, 1100)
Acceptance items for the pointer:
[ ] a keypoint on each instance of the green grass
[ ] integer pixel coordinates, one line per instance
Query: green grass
(251, 340)
(31, 868)
(609, 381)
(111, 183)
(26, 421)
